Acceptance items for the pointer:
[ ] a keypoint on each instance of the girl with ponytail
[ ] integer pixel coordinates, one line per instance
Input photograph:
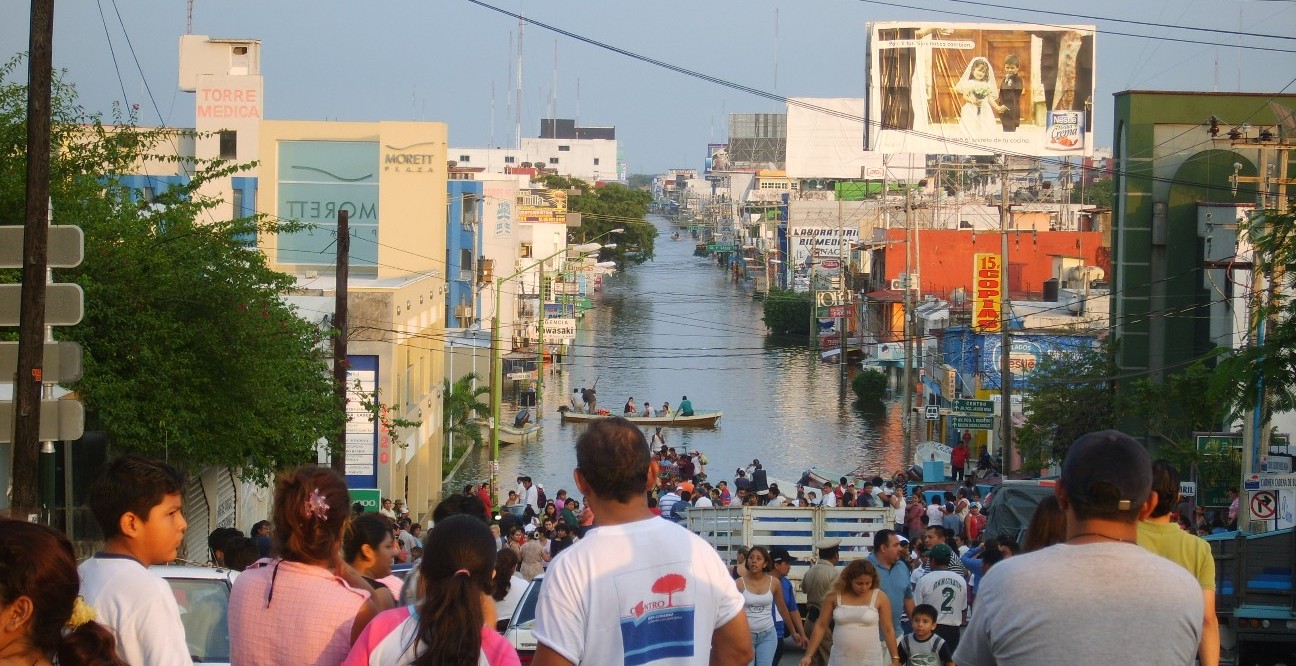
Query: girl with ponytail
(42, 620)
(453, 624)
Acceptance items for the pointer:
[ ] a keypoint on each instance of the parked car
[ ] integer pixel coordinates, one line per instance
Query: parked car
(518, 631)
(203, 594)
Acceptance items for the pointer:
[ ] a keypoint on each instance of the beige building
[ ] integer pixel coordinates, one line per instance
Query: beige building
(393, 172)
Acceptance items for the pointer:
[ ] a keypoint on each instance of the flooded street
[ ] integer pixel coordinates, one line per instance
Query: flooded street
(681, 325)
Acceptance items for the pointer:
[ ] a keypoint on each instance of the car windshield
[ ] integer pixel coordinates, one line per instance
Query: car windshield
(525, 612)
(204, 608)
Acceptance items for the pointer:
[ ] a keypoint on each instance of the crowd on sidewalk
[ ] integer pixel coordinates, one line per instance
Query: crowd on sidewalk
(623, 585)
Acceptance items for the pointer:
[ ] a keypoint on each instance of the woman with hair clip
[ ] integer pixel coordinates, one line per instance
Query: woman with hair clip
(453, 624)
(42, 620)
(307, 605)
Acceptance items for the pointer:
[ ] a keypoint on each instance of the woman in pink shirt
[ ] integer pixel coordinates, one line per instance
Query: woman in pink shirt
(454, 624)
(305, 606)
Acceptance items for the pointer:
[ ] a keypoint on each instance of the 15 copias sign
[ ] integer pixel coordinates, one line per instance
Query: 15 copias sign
(987, 293)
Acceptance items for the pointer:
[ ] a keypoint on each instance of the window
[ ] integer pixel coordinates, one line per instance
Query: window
(596, 162)
(525, 251)
(509, 159)
(464, 158)
(465, 265)
(239, 210)
(553, 160)
(564, 149)
(228, 145)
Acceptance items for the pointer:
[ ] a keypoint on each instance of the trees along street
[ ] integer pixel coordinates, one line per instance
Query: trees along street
(189, 352)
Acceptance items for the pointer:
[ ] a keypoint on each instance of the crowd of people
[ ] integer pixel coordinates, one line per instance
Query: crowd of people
(638, 589)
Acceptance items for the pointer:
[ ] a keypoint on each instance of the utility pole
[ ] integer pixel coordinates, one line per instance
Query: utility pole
(1255, 433)
(540, 348)
(1005, 316)
(31, 329)
(342, 271)
(907, 428)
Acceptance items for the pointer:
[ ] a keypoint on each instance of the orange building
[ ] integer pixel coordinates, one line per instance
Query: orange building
(944, 258)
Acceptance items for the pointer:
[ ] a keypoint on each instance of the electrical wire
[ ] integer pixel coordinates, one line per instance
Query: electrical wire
(1037, 10)
(1055, 161)
(1118, 33)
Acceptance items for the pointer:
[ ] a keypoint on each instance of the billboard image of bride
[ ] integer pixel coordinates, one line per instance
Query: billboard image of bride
(974, 89)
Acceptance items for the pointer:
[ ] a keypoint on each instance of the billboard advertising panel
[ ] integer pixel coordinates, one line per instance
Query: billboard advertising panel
(987, 293)
(980, 88)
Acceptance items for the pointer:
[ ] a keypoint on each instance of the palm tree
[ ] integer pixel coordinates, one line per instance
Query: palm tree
(459, 403)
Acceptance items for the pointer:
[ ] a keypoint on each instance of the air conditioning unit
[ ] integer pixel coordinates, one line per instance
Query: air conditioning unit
(897, 285)
(463, 311)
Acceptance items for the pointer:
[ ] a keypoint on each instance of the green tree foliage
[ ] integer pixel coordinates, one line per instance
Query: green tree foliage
(608, 207)
(639, 181)
(869, 386)
(1070, 395)
(1186, 402)
(189, 351)
(787, 312)
(1098, 193)
(460, 402)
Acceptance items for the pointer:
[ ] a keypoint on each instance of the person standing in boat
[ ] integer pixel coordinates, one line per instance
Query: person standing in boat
(576, 401)
(629, 407)
(685, 407)
(590, 400)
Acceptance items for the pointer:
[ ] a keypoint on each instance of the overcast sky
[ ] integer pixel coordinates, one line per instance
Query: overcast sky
(451, 60)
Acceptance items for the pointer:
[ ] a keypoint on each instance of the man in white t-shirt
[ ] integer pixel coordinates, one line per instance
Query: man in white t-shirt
(635, 590)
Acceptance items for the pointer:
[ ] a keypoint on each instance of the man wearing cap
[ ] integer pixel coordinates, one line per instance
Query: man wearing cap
(816, 583)
(1158, 534)
(945, 591)
(783, 562)
(1097, 598)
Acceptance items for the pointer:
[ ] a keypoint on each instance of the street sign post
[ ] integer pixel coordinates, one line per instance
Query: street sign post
(969, 406)
(60, 421)
(960, 422)
(62, 362)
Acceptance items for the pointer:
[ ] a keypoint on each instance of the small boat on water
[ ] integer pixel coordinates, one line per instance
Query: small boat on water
(696, 420)
(509, 434)
(675, 236)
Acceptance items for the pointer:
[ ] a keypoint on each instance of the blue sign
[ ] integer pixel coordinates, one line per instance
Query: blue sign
(317, 180)
(361, 449)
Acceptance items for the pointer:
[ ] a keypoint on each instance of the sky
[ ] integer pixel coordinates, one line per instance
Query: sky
(453, 60)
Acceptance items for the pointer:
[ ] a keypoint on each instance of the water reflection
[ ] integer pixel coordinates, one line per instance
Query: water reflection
(681, 325)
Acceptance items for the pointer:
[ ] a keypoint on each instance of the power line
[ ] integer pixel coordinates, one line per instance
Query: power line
(1036, 10)
(1048, 25)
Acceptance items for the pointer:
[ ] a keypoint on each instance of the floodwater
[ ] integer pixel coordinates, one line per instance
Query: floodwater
(682, 325)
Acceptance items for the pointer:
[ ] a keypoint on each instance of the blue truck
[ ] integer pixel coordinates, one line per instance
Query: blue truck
(1254, 596)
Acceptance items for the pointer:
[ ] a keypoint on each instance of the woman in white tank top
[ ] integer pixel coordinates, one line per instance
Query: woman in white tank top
(761, 594)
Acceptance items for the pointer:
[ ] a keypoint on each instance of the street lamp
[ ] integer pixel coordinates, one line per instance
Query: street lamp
(497, 365)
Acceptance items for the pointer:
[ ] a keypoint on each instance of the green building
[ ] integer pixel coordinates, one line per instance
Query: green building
(1171, 176)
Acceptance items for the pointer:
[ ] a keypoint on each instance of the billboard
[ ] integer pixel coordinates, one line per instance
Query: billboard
(987, 293)
(980, 88)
